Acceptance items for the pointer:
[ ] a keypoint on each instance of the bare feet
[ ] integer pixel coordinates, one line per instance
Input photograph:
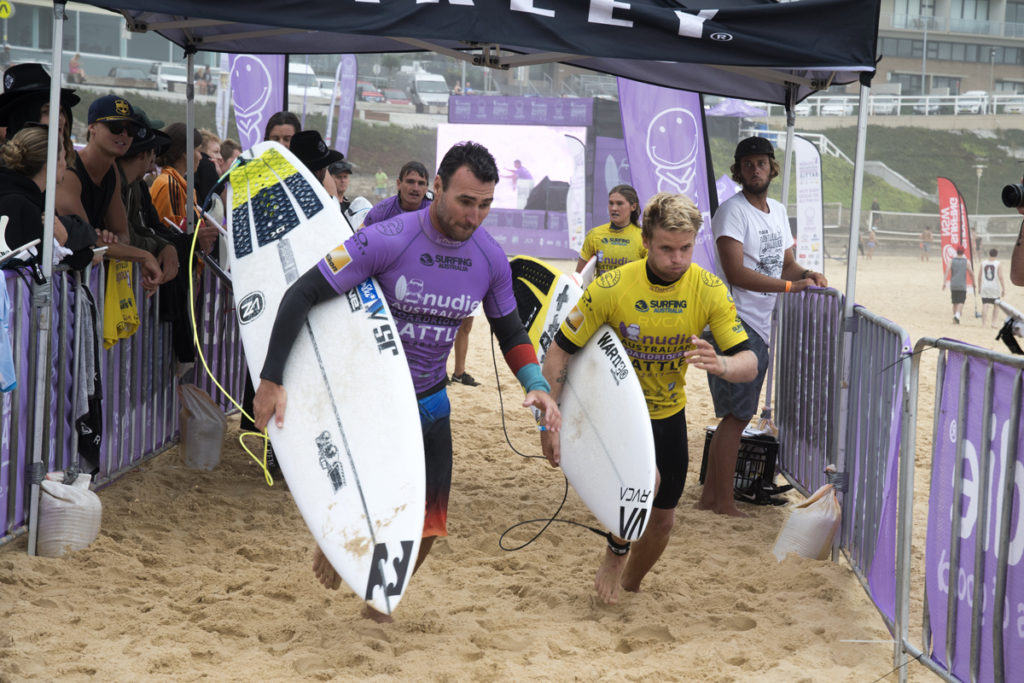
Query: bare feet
(609, 575)
(325, 573)
(374, 615)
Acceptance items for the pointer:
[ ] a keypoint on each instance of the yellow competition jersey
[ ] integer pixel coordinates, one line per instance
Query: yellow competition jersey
(614, 246)
(655, 325)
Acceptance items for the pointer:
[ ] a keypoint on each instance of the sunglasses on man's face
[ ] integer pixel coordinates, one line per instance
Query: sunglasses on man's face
(118, 127)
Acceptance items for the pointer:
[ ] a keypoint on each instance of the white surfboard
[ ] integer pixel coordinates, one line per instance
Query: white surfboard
(356, 212)
(606, 439)
(351, 448)
(586, 276)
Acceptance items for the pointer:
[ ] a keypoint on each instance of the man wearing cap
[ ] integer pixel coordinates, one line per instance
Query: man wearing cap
(143, 220)
(26, 97)
(755, 259)
(342, 172)
(93, 191)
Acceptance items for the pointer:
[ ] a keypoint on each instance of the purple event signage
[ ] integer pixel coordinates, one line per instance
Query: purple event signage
(664, 133)
(345, 95)
(256, 92)
(532, 111)
(611, 168)
(940, 577)
(543, 234)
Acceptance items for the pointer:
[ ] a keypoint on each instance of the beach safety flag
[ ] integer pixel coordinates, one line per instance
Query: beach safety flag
(954, 226)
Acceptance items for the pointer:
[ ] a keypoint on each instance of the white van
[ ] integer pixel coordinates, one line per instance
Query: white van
(429, 92)
(303, 82)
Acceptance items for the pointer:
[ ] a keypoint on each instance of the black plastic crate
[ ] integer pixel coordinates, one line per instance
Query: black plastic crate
(755, 463)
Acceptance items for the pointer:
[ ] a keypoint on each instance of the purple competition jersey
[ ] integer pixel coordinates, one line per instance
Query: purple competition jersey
(388, 208)
(430, 282)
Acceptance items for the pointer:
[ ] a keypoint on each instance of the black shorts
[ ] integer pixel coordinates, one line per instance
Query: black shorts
(435, 421)
(958, 295)
(672, 455)
(988, 300)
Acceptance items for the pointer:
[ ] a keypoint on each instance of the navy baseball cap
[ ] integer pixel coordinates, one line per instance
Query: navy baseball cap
(754, 145)
(111, 108)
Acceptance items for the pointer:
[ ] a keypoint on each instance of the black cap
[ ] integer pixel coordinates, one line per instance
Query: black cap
(339, 167)
(311, 150)
(23, 82)
(110, 108)
(752, 146)
(148, 137)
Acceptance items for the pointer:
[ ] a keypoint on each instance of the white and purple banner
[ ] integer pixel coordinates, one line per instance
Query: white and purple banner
(576, 198)
(222, 112)
(344, 97)
(256, 82)
(611, 168)
(664, 133)
(940, 577)
(536, 111)
(810, 209)
(726, 187)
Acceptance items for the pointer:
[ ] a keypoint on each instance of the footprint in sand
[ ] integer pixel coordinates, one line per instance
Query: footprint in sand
(739, 623)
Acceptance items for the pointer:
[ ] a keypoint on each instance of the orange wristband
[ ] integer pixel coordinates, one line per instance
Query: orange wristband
(789, 285)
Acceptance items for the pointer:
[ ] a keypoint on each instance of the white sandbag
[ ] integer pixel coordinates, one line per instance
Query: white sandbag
(69, 515)
(203, 427)
(811, 526)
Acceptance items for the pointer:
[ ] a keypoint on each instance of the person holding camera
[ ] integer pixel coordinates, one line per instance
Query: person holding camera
(1013, 198)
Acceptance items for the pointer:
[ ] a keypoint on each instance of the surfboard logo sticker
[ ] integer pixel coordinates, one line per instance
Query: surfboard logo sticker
(251, 307)
(632, 527)
(379, 567)
(327, 454)
(337, 259)
(619, 366)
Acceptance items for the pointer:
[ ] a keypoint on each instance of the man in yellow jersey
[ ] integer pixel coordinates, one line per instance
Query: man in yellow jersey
(618, 241)
(659, 306)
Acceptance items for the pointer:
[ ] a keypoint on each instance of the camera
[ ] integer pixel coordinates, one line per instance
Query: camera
(1013, 195)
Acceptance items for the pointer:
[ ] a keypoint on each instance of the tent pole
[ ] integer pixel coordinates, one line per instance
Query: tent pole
(42, 293)
(190, 126)
(787, 162)
(849, 322)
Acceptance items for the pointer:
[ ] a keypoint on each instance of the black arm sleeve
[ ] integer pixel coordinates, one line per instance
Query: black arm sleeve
(564, 343)
(308, 290)
(510, 331)
(736, 348)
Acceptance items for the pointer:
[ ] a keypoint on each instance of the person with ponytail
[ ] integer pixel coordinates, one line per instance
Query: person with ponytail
(618, 241)
(23, 164)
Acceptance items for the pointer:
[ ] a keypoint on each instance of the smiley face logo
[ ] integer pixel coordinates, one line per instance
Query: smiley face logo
(122, 107)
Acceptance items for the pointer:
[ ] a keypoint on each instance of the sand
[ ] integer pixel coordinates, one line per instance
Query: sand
(207, 575)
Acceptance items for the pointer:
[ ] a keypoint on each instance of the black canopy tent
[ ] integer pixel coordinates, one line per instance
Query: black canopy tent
(752, 49)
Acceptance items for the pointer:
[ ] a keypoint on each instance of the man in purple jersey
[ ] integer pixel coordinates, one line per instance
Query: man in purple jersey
(434, 267)
(411, 196)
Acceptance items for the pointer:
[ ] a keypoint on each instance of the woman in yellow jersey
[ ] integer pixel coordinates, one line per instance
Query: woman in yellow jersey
(618, 241)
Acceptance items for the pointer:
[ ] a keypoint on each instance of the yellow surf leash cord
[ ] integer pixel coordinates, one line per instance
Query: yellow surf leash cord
(199, 350)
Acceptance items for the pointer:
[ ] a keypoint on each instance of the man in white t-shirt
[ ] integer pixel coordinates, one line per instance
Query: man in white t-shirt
(755, 258)
(993, 286)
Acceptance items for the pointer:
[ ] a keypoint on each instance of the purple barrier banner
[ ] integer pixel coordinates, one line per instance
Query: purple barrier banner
(535, 233)
(534, 111)
(611, 168)
(664, 133)
(256, 92)
(940, 576)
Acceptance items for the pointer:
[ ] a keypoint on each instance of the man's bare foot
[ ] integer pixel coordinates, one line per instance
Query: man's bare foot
(377, 616)
(730, 510)
(608, 577)
(702, 504)
(325, 573)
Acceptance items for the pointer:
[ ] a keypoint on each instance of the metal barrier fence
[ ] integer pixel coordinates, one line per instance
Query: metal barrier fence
(809, 336)
(806, 390)
(973, 577)
(137, 377)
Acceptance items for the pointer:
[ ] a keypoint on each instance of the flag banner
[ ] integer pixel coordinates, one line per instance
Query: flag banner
(956, 233)
(810, 209)
(256, 93)
(223, 103)
(664, 133)
(344, 97)
(726, 187)
(611, 168)
(980, 528)
(575, 200)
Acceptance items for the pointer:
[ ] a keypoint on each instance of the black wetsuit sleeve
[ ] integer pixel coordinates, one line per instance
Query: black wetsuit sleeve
(510, 331)
(310, 289)
(564, 343)
(736, 348)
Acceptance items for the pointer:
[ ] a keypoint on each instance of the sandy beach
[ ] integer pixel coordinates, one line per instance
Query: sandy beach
(207, 575)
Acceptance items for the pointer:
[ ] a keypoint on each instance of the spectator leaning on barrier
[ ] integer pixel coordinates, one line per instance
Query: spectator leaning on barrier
(23, 164)
(755, 258)
(1017, 257)
(93, 191)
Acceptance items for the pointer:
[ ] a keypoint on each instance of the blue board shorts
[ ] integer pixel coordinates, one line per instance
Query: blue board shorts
(740, 399)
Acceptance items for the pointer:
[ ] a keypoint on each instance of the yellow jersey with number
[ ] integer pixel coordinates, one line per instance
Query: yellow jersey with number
(613, 246)
(655, 324)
